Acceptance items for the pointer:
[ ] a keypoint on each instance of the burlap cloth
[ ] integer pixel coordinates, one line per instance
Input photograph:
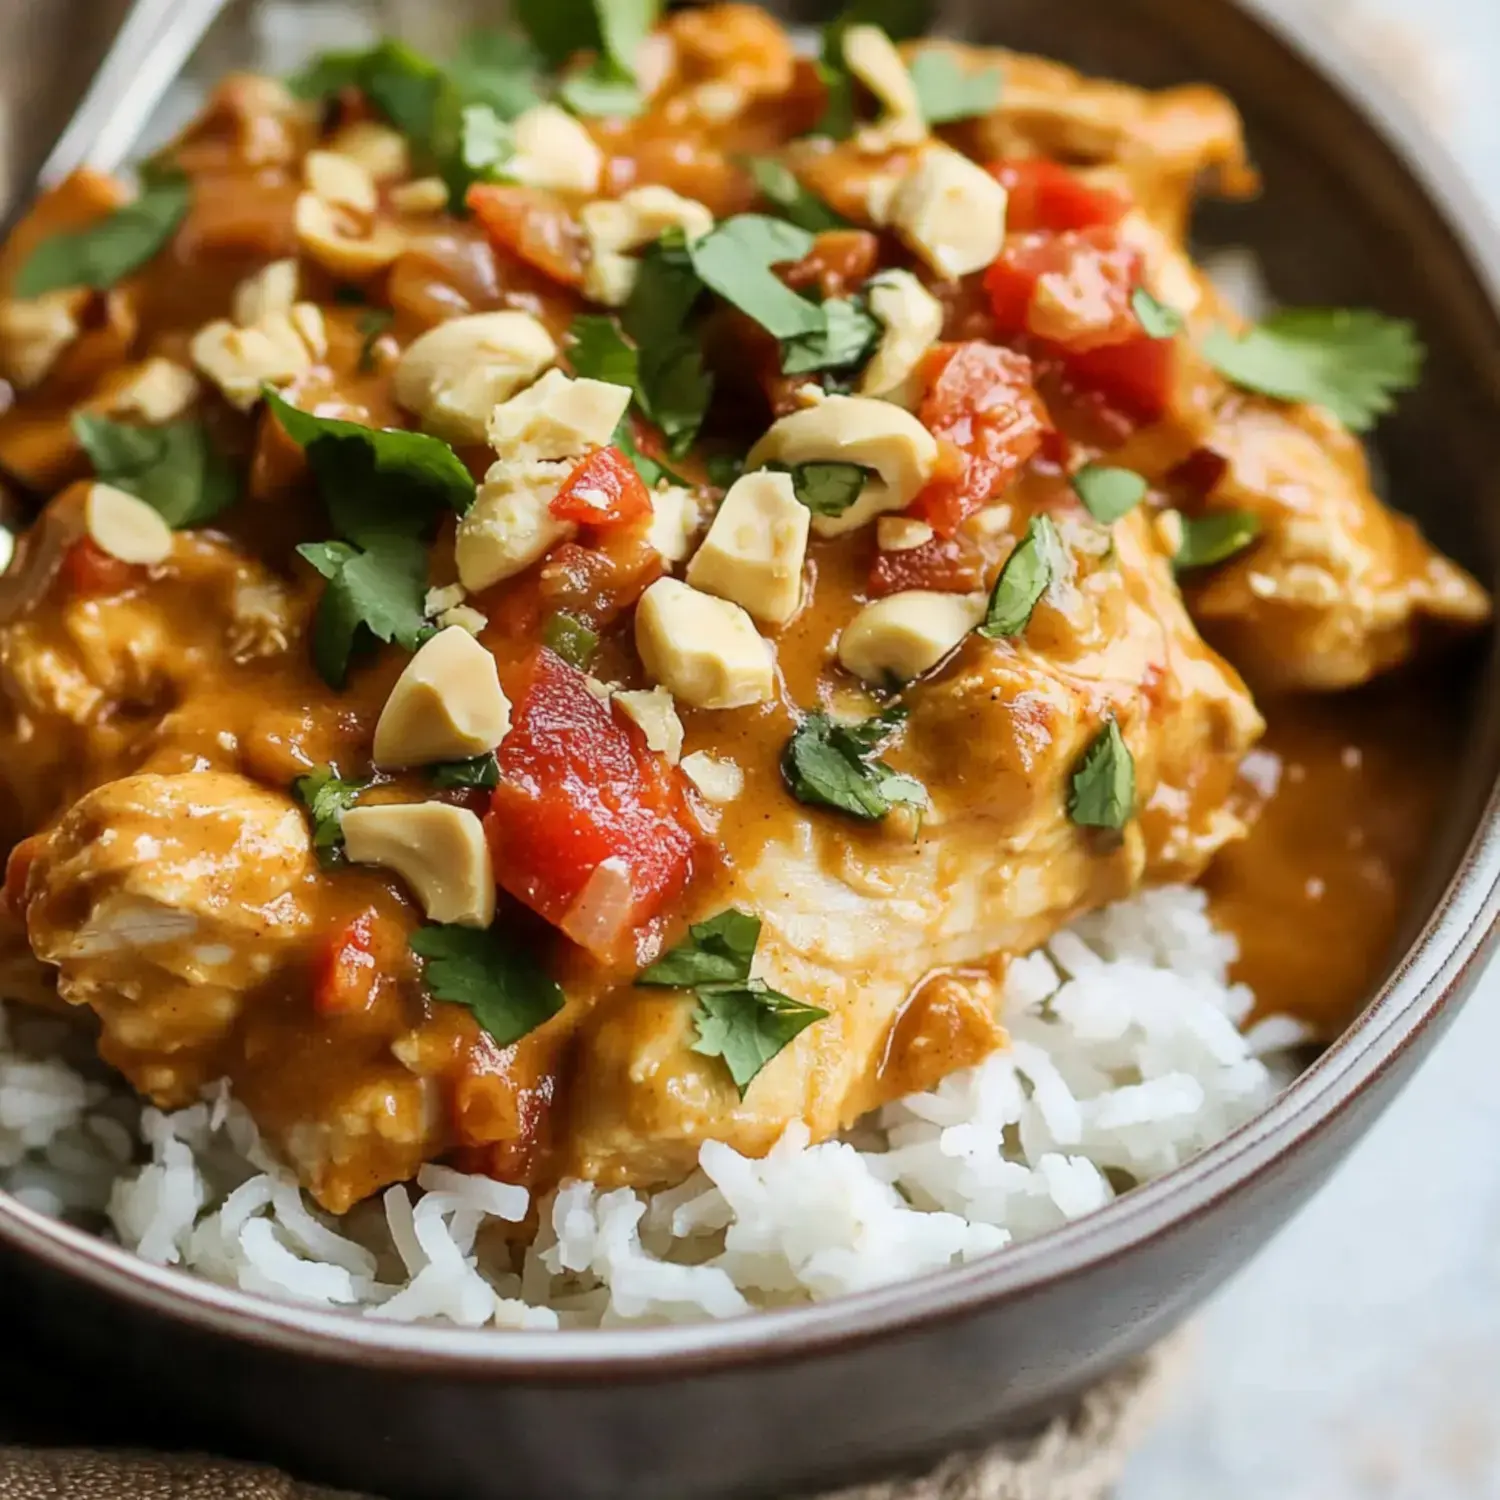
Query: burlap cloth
(1078, 1457)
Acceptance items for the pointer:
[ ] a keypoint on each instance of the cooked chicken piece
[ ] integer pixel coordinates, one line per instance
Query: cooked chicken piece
(855, 922)
(165, 902)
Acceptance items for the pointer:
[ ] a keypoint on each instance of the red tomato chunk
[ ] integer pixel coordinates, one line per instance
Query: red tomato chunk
(89, 570)
(1044, 195)
(604, 490)
(588, 828)
(532, 226)
(989, 421)
(347, 972)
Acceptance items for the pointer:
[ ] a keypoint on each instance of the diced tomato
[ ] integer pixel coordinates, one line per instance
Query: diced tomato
(839, 261)
(533, 226)
(604, 490)
(1071, 289)
(945, 565)
(1198, 475)
(1134, 377)
(989, 421)
(588, 828)
(88, 569)
(1045, 195)
(346, 975)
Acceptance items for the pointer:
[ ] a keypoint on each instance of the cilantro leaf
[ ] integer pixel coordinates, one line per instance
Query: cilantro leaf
(325, 796)
(1158, 320)
(486, 145)
(1352, 361)
(947, 91)
(508, 992)
(667, 377)
(1108, 494)
(1102, 794)
(666, 287)
(379, 590)
(481, 771)
(848, 338)
(828, 764)
(372, 325)
(173, 468)
(500, 69)
(614, 29)
(571, 639)
(735, 260)
(826, 488)
(717, 951)
(652, 473)
(779, 185)
(899, 19)
(603, 90)
(1214, 538)
(98, 255)
(377, 483)
(724, 468)
(1023, 580)
(747, 1025)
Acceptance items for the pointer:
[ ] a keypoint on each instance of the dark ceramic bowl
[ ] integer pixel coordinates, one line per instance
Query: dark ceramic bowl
(1361, 208)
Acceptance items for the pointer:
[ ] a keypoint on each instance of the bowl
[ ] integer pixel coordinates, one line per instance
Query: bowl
(1361, 208)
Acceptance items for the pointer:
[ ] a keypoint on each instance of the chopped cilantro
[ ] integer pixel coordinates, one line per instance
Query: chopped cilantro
(1158, 320)
(372, 325)
(780, 186)
(571, 639)
(509, 993)
(735, 260)
(481, 772)
(1214, 538)
(826, 488)
(667, 375)
(1353, 362)
(1108, 494)
(718, 951)
(1023, 580)
(173, 468)
(1102, 794)
(500, 69)
(98, 255)
(325, 795)
(847, 339)
(947, 91)
(828, 764)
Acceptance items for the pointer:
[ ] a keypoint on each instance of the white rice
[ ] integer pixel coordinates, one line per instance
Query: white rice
(1126, 1058)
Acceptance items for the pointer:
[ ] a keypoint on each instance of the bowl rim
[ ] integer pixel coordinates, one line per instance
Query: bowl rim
(1447, 954)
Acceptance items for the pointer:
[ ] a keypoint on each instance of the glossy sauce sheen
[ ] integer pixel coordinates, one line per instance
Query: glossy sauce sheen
(150, 674)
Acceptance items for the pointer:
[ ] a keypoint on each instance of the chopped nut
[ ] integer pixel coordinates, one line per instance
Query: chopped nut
(446, 705)
(898, 638)
(913, 320)
(381, 151)
(427, 195)
(448, 597)
(35, 332)
(950, 211)
(125, 527)
(676, 515)
(455, 375)
(717, 780)
(873, 59)
(705, 651)
(509, 526)
(341, 242)
(275, 351)
(272, 289)
(463, 617)
(553, 150)
(755, 549)
(157, 390)
(856, 430)
(655, 715)
(558, 417)
(439, 850)
(340, 181)
(901, 533)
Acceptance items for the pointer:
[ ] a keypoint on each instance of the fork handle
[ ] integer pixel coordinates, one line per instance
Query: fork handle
(149, 51)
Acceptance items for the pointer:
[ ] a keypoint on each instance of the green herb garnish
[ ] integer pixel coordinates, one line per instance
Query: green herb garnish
(372, 325)
(325, 796)
(571, 639)
(846, 340)
(1102, 794)
(829, 764)
(500, 69)
(173, 468)
(1157, 319)
(1108, 494)
(739, 1019)
(947, 91)
(899, 19)
(779, 185)
(102, 253)
(379, 589)
(1353, 362)
(509, 993)
(735, 261)
(1023, 580)
(1214, 538)
(480, 773)
(825, 488)
(666, 376)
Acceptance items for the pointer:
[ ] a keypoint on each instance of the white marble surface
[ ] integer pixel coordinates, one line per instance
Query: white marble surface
(1359, 1357)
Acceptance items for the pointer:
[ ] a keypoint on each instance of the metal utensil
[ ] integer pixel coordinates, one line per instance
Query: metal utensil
(153, 43)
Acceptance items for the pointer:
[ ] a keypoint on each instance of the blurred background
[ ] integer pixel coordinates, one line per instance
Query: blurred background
(1359, 1358)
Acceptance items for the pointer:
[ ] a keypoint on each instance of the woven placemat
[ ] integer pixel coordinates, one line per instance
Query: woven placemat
(1078, 1457)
